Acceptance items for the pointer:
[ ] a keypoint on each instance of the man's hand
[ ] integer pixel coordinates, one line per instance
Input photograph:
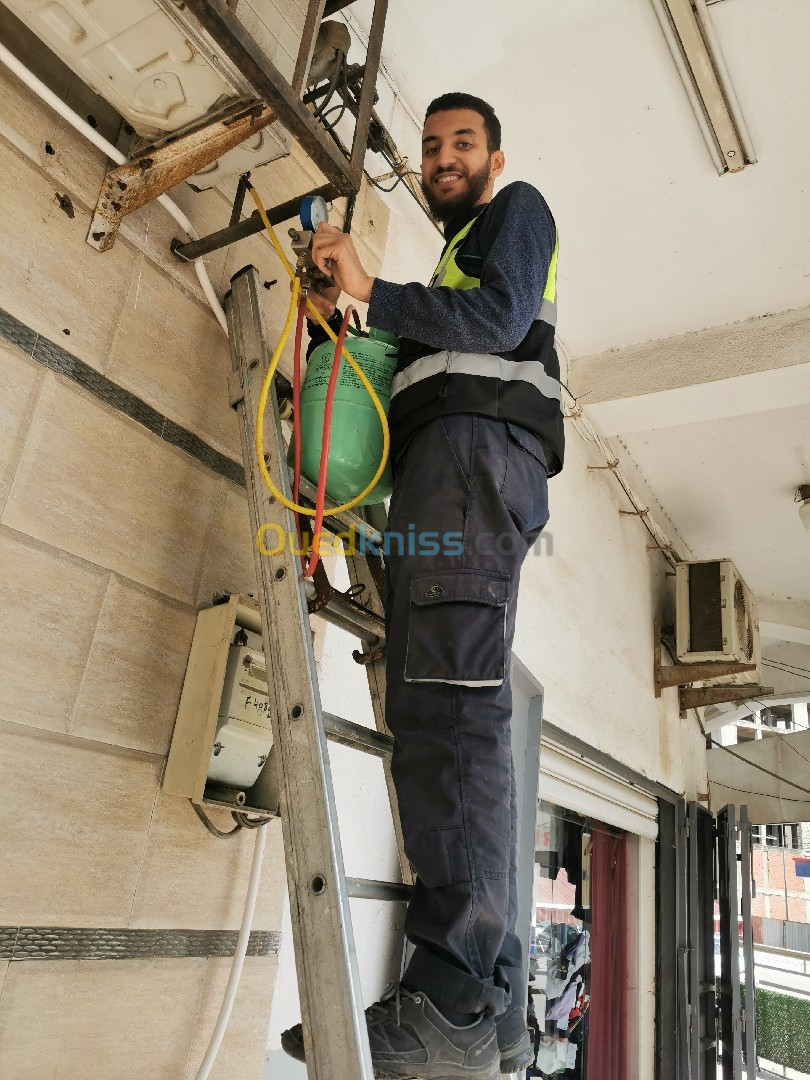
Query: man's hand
(333, 252)
(325, 300)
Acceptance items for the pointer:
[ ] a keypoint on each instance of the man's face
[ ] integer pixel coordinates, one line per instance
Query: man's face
(458, 171)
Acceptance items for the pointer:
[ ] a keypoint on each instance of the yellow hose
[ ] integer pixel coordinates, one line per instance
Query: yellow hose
(271, 370)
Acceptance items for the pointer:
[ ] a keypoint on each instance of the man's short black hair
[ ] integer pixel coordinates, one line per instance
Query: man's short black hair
(458, 100)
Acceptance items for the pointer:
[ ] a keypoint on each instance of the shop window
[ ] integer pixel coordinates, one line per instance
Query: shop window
(577, 950)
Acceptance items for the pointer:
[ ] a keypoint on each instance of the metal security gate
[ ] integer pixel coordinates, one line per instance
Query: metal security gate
(702, 988)
(749, 1011)
(704, 1017)
(737, 1025)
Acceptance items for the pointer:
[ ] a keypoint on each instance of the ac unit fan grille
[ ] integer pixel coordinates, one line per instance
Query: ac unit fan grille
(705, 612)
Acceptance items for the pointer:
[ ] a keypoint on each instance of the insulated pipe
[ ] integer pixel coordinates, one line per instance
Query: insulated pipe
(238, 957)
(688, 85)
(50, 98)
(724, 76)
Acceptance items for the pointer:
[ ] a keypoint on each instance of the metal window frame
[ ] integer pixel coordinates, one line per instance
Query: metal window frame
(671, 956)
(702, 990)
(749, 1014)
(730, 1033)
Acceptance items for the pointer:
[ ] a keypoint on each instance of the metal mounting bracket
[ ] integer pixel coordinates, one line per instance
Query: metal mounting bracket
(695, 698)
(156, 170)
(684, 674)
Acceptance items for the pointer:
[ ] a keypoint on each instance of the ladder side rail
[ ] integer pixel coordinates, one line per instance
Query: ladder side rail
(331, 1002)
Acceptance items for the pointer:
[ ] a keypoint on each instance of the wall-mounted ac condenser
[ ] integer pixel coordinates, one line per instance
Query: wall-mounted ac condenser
(147, 58)
(716, 618)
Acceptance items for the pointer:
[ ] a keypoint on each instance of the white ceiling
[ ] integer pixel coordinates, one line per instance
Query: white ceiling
(653, 242)
(728, 484)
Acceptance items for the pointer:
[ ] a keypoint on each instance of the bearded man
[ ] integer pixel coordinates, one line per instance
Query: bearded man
(476, 431)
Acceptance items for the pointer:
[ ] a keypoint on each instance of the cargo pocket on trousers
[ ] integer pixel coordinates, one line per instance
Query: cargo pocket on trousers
(457, 628)
(439, 857)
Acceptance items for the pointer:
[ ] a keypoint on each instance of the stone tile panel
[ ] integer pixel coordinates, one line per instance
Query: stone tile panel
(74, 821)
(192, 880)
(20, 380)
(169, 350)
(49, 276)
(99, 486)
(49, 604)
(135, 671)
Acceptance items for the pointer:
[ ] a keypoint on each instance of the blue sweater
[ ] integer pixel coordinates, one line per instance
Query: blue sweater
(511, 251)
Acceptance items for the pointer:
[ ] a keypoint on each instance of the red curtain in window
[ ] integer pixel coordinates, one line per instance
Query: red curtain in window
(607, 1031)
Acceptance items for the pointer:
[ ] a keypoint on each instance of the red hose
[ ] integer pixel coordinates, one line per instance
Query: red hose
(299, 327)
(311, 561)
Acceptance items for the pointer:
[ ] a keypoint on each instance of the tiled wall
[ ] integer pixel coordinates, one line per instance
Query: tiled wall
(111, 537)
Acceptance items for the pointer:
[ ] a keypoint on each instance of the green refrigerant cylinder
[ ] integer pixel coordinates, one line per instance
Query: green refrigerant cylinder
(356, 442)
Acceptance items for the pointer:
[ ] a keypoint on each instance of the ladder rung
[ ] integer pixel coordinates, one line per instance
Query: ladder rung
(353, 617)
(344, 522)
(356, 736)
(366, 889)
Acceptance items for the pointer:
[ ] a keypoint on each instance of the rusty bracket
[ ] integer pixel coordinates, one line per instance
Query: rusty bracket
(154, 171)
(684, 674)
(370, 657)
(695, 698)
(323, 586)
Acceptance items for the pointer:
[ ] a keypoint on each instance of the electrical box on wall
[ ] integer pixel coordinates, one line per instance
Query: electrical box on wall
(244, 736)
(222, 747)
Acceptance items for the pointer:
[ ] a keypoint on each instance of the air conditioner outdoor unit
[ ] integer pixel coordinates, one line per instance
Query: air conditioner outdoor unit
(147, 59)
(716, 618)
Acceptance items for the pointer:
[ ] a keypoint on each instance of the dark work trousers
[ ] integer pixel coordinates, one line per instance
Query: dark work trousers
(478, 487)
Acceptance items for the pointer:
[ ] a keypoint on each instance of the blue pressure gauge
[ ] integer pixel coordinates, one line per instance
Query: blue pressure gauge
(313, 211)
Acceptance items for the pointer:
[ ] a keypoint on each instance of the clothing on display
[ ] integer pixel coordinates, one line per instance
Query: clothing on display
(560, 945)
(548, 841)
(561, 1008)
(565, 960)
(555, 1056)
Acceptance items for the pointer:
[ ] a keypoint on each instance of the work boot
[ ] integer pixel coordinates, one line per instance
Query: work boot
(409, 1037)
(514, 1041)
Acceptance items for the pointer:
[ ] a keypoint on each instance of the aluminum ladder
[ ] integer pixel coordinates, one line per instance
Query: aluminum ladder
(332, 1014)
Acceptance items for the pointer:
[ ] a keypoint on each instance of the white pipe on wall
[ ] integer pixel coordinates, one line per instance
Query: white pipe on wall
(50, 98)
(238, 958)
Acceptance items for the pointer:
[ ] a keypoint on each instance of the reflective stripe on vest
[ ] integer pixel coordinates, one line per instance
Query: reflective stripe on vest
(485, 365)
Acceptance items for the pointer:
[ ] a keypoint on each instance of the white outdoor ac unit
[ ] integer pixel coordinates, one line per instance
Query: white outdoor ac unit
(716, 618)
(146, 58)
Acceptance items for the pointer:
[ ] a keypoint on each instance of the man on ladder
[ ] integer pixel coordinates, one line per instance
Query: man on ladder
(476, 430)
